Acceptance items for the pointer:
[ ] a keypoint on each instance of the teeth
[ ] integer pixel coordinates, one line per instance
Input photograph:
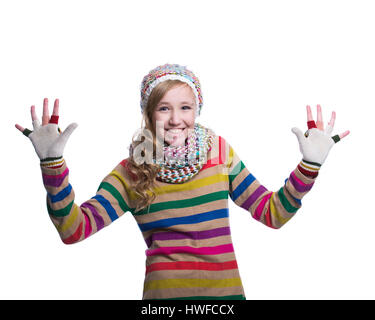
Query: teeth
(175, 130)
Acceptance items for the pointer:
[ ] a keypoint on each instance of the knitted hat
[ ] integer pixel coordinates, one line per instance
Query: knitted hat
(173, 72)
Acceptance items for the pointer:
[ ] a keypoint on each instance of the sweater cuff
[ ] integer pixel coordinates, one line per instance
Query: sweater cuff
(52, 163)
(309, 169)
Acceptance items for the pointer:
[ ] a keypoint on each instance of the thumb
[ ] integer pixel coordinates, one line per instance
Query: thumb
(300, 136)
(63, 138)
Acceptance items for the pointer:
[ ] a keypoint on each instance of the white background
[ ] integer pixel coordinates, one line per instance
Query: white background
(259, 63)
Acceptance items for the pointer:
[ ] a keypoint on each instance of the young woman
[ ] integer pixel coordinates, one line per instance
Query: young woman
(176, 183)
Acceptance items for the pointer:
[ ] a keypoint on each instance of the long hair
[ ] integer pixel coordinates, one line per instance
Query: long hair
(145, 173)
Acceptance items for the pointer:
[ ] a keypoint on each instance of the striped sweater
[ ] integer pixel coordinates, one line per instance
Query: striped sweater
(190, 254)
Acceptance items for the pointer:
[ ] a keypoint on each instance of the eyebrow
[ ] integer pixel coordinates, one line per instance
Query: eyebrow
(182, 102)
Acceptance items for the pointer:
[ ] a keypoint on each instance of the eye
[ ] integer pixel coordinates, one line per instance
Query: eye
(162, 108)
(188, 107)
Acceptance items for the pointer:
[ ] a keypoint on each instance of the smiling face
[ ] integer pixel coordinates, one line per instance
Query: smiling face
(175, 114)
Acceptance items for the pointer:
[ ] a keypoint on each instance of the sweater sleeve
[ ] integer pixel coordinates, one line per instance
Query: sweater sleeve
(75, 222)
(273, 209)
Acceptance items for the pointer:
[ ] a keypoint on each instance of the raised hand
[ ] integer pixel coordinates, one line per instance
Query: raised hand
(317, 141)
(47, 139)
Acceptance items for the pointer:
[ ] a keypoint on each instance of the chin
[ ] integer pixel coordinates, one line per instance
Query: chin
(177, 142)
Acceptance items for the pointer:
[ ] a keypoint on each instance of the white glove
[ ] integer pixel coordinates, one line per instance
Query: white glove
(47, 139)
(316, 143)
(316, 146)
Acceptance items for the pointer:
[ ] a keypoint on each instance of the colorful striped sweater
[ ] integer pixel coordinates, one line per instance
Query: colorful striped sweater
(190, 254)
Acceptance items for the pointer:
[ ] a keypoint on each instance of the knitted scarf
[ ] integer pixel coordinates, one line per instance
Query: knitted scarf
(183, 162)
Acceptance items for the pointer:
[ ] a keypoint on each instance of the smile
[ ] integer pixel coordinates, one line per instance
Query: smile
(175, 131)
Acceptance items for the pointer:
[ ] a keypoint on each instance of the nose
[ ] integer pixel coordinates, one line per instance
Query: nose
(175, 118)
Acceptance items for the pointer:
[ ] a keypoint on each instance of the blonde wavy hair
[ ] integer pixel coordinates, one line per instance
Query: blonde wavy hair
(145, 173)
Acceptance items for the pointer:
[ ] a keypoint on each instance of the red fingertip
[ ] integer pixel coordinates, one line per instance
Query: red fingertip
(311, 124)
(54, 119)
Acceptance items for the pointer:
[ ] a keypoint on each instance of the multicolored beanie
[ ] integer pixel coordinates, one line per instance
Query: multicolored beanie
(173, 72)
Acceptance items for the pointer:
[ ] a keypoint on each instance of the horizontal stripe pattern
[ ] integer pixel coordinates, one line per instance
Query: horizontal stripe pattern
(165, 223)
(55, 180)
(273, 209)
(195, 251)
(61, 195)
(299, 185)
(192, 265)
(190, 283)
(54, 163)
(107, 206)
(243, 185)
(194, 186)
(73, 222)
(190, 254)
(98, 218)
(195, 235)
(309, 169)
(253, 197)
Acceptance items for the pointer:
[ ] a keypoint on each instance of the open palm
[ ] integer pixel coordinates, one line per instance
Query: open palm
(317, 141)
(47, 139)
